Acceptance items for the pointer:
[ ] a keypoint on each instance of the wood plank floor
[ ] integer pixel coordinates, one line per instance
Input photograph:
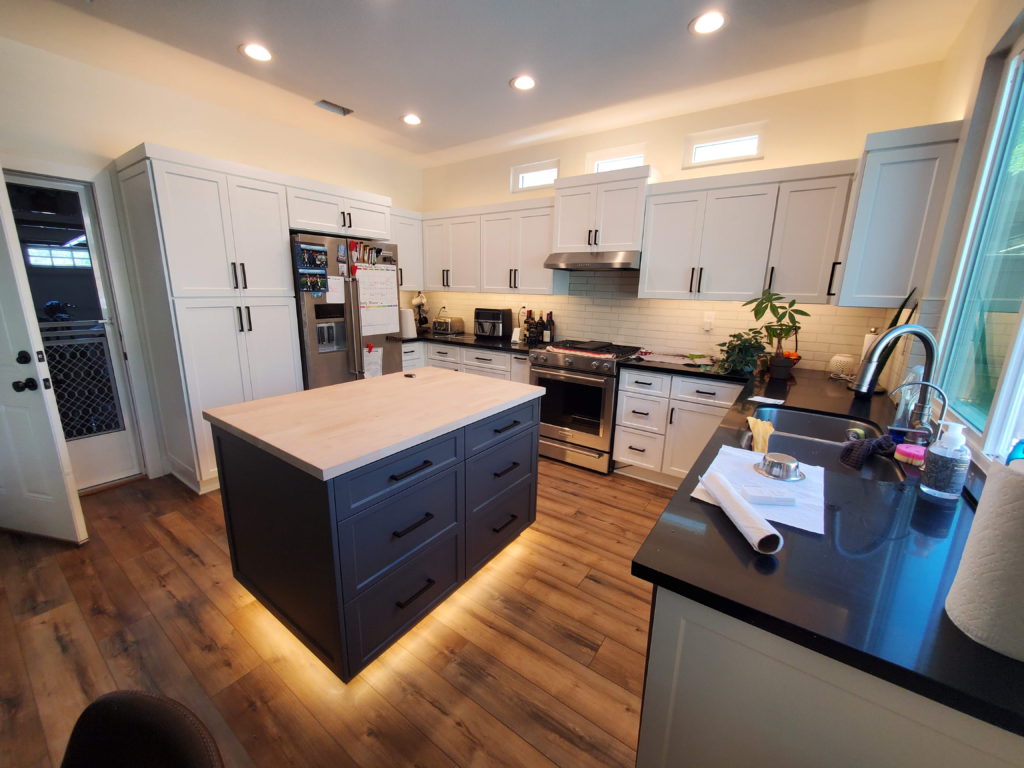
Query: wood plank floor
(537, 661)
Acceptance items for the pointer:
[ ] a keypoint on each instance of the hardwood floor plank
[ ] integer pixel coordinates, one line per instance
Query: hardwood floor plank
(369, 728)
(22, 741)
(630, 598)
(513, 572)
(211, 647)
(154, 498)
(107, 598)
(607, 706)
(541, 559)
(33, 580)
(124, 534)
(629, 524)
(588, 555)
(556, 503)
(558, 470)
(580, 531)
(66, 669)
(622, 666)
(273, 725)
(203, 561)
(607, 505)
(141, 658)
(605, 493)
(206, 513)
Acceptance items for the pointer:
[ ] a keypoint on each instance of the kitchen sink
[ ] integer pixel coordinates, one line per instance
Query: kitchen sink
(822, 426)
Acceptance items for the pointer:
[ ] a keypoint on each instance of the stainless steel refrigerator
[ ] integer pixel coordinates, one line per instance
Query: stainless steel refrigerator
(331, 329)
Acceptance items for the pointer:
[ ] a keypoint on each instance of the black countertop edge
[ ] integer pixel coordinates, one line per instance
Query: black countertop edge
(682, 369)
(468, 340)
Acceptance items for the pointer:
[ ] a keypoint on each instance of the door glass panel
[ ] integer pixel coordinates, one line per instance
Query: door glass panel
(572, 405)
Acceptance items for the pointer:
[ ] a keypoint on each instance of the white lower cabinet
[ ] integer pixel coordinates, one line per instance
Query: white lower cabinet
(647, 414)
(490, 373)
(482, 358)
(451, 366)
(412, 355)
(521, 369)
(690, 428)
(641, 449)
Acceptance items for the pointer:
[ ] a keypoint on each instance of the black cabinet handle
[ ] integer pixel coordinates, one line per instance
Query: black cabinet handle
(248, 317)
(400, 280)
(590, 234)
(771, 276)
(23, 358)
(671, 415)
(517, 279)
(705, 392)
(515, 465)
(439, 352)
(350, 220)
(638, 450)
(427, 463)
(642, 413)
(506, 525)
(408, 351)
(234, 274)
(693, 271)
(422, 521)
(515, 423)
(643, 383)
(30, 384)
(700, 278)
(510, 278)
(241, 328)
(245, 280)
(595, 236)
(485, 359)
(832, 277)
(403, 604)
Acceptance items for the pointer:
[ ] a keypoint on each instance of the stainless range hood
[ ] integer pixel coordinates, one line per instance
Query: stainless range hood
(595, 261)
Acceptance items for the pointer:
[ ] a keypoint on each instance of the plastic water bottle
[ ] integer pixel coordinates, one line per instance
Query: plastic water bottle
(946, 463)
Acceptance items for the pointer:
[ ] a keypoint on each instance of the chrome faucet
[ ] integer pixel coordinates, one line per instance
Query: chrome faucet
(867, 379)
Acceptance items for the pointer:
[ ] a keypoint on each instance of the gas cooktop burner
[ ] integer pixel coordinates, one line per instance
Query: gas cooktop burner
(598, 357)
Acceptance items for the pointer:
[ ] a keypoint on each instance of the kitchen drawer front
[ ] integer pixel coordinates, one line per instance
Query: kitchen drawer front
(381, 614)
(379, 539)
(443, 352)
(647, 414)
(412, 365)
(487, 373)
(494, 429)
(707, 391)
(499, 522)
(499, 468)
(641, 449)
(448, 366)
(413, 351)
(654, 384)
(481, 358)
(369, 485)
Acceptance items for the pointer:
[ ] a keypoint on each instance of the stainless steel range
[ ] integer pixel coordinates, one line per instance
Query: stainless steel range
(577, 412)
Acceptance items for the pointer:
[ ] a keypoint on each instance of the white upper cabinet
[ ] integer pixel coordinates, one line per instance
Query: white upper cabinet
(407, 234)
(735, 242)
(575, 210)
(619, 221)
(465, 254)
(497, 239)
(902, 192)
(805, 243)
(272, 347)
(259, 222)
(672, 243)
(367, 220)
(514, 246)
(436, 255)
(316, 212)
(600, 211)
(195, 217)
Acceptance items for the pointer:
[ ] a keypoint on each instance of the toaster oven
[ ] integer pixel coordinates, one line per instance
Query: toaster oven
(448, 326)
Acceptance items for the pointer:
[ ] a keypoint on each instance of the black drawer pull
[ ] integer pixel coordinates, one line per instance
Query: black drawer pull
(705, 392)
(403, 604)
(638, 450)
(410, 472)
(515, 423)
(422, 521)
(515, 465)
(641, 413)
(506, 525)
(485, 359)
(439, 352)
(643, 383)
(408, 351)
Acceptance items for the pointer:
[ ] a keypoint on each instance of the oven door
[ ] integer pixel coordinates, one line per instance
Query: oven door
(576, 408)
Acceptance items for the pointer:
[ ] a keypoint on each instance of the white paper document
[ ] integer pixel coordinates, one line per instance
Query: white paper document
(738, 466)
(373, 362)
(770, 401)
(335, 290)
(378, 298)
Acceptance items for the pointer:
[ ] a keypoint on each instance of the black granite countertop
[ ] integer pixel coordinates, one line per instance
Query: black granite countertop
(868, 593)
(468, 340)
(687, 369)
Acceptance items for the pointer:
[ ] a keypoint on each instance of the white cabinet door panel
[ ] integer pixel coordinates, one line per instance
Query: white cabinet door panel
(259, 221)
(195, 217)
(464, 234)
(521, 369)
(533, 232)
(895, 225)
(672, 240)
(436, 254)
(316, 212)
(368, 220)
(215, 362)
(735, 242)
(805, 243)
(408, 236)
(272, 346)
(498, 242)
(646, 414)
(453, 366)
(489, 373)
(619, 222)
(639, 449)
(690, 427)
(575, 209)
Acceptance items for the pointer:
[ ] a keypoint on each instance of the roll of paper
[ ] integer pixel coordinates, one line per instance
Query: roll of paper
(407, 323)
(869, 340)
(986, 600)
(755, 529)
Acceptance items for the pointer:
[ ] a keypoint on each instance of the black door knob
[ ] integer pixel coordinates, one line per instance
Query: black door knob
(30, 384)
(24, 358)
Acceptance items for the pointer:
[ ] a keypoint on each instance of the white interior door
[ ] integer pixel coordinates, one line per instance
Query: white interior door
(671, 252)
(437, 257)
(574, 219)
(620, 213)
(533, 233)
(259, 222)
(272, 344)
(497, 236)
(37, 484)
(465, 244)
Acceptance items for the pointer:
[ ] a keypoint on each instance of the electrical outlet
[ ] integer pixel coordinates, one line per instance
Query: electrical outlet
(709, 321)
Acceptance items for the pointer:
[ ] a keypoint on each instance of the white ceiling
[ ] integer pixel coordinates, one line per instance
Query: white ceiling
(449, 61)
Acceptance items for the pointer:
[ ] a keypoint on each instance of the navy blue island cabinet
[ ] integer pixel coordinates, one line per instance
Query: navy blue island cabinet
(350, 563)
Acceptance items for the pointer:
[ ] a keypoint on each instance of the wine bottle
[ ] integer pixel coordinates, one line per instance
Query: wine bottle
(545, 332)
(551, 325)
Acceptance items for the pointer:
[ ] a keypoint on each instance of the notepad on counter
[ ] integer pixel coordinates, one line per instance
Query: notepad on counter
(768, 400)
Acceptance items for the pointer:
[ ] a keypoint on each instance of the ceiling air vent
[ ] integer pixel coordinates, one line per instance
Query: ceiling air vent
(330, 106)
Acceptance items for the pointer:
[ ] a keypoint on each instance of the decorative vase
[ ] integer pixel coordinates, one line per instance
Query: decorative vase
(781, 367)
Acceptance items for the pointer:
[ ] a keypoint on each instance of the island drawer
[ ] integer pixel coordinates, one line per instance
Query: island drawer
(493, 430)
(368, 485)
(491, 472)
(498, 523)
(382, 613)
(480, 358)
(379, 539)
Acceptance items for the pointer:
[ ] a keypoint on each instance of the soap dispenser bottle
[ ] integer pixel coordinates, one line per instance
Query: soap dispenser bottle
(946, 463)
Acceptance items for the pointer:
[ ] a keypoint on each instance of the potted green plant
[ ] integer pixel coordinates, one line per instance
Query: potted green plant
(741, 353)
(786, 325)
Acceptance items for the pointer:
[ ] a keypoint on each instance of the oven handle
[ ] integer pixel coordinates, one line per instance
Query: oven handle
(605, 382)
(571, 448)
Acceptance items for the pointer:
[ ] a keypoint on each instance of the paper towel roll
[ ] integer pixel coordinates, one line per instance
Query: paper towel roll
(986, 600)
(869, 340)
(407, 323)
(760, 534)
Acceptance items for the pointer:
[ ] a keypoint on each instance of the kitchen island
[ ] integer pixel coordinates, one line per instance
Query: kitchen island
(353, 510)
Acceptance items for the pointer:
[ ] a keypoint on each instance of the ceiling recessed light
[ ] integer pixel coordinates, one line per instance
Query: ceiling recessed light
(412, 120)
(255, 51)
(523, 82)
(711, 21)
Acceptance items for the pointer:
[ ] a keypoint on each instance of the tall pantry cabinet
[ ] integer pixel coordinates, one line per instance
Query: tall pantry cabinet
(217, 298)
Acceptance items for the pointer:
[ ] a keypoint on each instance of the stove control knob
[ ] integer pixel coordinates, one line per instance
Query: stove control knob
(543, 358)
(607, 366)
(568, 361)
(533, 355)
(595, 365)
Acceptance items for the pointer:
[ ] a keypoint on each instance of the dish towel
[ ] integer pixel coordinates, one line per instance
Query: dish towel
(755, 529)
(986, 600)
(855, 452)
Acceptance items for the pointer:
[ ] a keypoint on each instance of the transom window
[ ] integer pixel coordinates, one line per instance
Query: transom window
(616, 158)
(532, 176)
(41, 256)
(618, 163)
(734, 144)
(729, 149)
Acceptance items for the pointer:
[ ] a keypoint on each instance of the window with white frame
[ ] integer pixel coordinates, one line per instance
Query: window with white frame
(534, 175)
(616, 159)
(734, 144)
(983, 362)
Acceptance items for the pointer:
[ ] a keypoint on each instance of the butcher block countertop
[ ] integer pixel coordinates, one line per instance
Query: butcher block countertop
(332, 430)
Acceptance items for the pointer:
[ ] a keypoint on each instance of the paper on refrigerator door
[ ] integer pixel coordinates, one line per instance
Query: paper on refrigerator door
(335, 290)
(373, 362)
(378, 298)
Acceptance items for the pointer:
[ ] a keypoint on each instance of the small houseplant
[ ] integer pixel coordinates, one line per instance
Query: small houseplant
(786, 325)
(741, 353)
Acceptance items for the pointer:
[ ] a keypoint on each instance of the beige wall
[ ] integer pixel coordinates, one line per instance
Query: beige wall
(809, 126)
